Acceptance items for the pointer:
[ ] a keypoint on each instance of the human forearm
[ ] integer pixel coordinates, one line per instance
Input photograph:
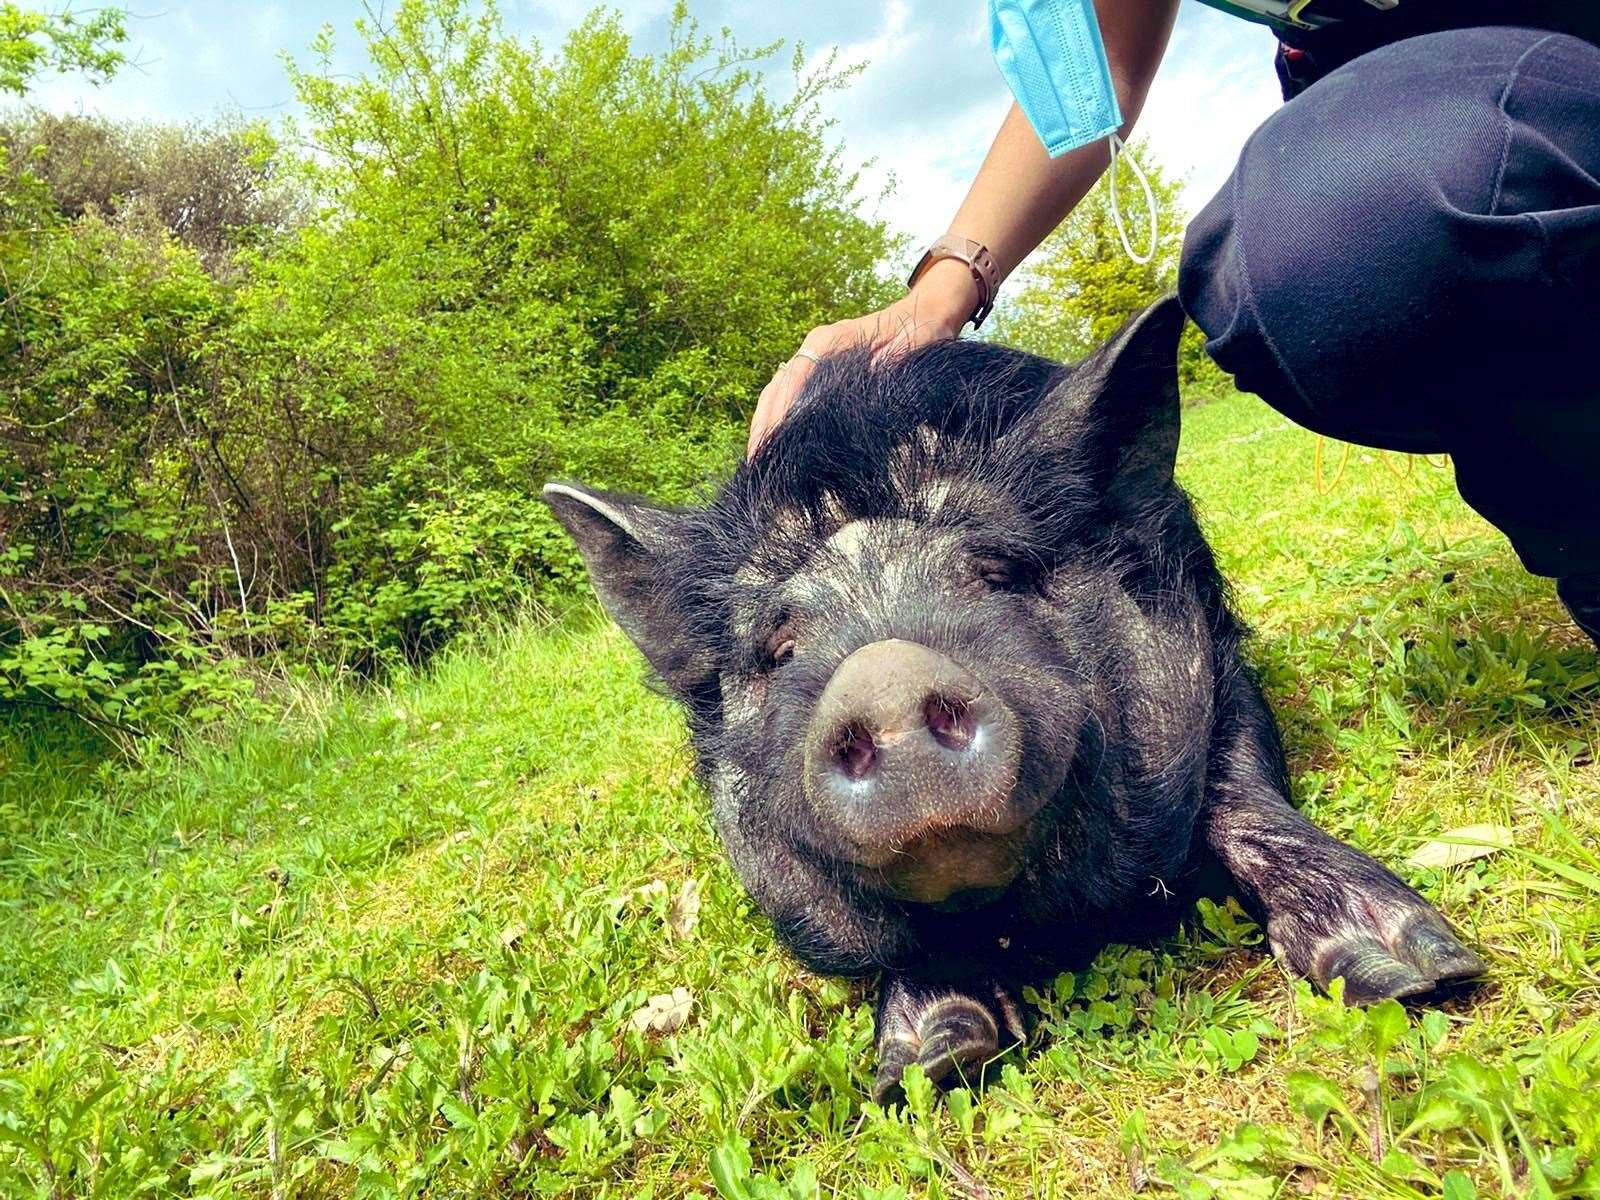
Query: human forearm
(1020, 194)
(1018, 197)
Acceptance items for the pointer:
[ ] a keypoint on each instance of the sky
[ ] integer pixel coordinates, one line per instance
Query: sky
(922, 111)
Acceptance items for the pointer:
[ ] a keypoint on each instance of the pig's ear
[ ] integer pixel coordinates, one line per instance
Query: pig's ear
(624, 544)
(1119, 407)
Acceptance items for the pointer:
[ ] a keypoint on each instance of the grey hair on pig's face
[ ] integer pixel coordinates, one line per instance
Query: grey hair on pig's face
(1019, 517)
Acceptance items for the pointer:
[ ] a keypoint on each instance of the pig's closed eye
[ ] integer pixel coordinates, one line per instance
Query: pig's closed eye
(780, 645)
(1004, 574)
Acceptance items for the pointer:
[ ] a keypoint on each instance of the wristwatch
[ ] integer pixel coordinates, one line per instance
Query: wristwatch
(979, 261)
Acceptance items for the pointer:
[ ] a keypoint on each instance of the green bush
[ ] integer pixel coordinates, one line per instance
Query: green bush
(310, 429)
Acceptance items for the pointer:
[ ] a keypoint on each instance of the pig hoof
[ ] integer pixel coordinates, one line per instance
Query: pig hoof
(1419, 956)
(894, 1056)
(951, 1032)
(958, 1037)
(952, 1039)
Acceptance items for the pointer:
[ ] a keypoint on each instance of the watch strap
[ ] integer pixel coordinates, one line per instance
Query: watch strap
(985, 271)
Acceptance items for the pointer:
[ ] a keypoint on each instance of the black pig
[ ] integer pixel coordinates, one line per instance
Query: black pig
(962, 679)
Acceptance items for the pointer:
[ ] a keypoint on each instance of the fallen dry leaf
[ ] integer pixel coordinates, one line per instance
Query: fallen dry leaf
(1456, 846)
(683, 914)
(512, 934)
(638, 899)
(665, 1013)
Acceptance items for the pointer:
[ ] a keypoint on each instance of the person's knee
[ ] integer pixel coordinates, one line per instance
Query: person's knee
(1329, 202)
(1331, 274)
(1313, 251)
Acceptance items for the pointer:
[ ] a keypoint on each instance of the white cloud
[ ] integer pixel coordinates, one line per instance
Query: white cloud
(192, 62)
(923, 110)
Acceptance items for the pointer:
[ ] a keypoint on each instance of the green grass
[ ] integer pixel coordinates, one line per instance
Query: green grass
(394, 942)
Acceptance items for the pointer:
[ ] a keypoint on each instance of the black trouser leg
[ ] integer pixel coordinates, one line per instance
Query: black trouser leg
(1408, 256)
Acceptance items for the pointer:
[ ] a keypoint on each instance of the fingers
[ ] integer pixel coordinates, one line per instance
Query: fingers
(777, 398)
(789, 380)
(893, 331)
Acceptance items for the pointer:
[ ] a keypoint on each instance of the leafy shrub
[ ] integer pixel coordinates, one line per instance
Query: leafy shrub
(217, 187)
(32, 41)
(261, 410)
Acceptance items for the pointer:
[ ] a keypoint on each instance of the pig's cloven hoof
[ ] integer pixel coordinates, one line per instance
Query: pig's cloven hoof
(1398, 947)
(951, 1031)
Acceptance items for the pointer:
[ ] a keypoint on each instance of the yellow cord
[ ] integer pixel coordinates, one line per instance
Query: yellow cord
(1344, 461)
(1388, 462)
(1387, 456)
(1296, 7)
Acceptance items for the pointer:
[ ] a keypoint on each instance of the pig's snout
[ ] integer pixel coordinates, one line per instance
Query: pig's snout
(914, 761)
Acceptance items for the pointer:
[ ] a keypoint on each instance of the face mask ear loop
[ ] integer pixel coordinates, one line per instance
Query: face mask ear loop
(1118, 150)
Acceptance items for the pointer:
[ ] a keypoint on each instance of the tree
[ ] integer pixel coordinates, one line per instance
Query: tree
(217, 187)
(663, 224)
(1081, 284)
(32, 41)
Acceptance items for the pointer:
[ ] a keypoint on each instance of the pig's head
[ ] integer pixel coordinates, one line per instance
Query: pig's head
(940, 645)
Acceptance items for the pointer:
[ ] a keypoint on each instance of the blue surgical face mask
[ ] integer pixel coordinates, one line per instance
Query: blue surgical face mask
(1051, 55)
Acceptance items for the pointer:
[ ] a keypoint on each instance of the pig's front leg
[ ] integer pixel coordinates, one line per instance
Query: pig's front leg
(1330, 911)
(952, 1029)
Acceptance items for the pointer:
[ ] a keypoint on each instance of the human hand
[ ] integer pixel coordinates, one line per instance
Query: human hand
(935, 309)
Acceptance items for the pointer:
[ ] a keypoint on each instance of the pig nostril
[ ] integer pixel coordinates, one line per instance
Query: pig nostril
(854, 752)
(950, 721)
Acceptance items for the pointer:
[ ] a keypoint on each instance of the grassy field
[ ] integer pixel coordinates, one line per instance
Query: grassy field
(405, 942)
